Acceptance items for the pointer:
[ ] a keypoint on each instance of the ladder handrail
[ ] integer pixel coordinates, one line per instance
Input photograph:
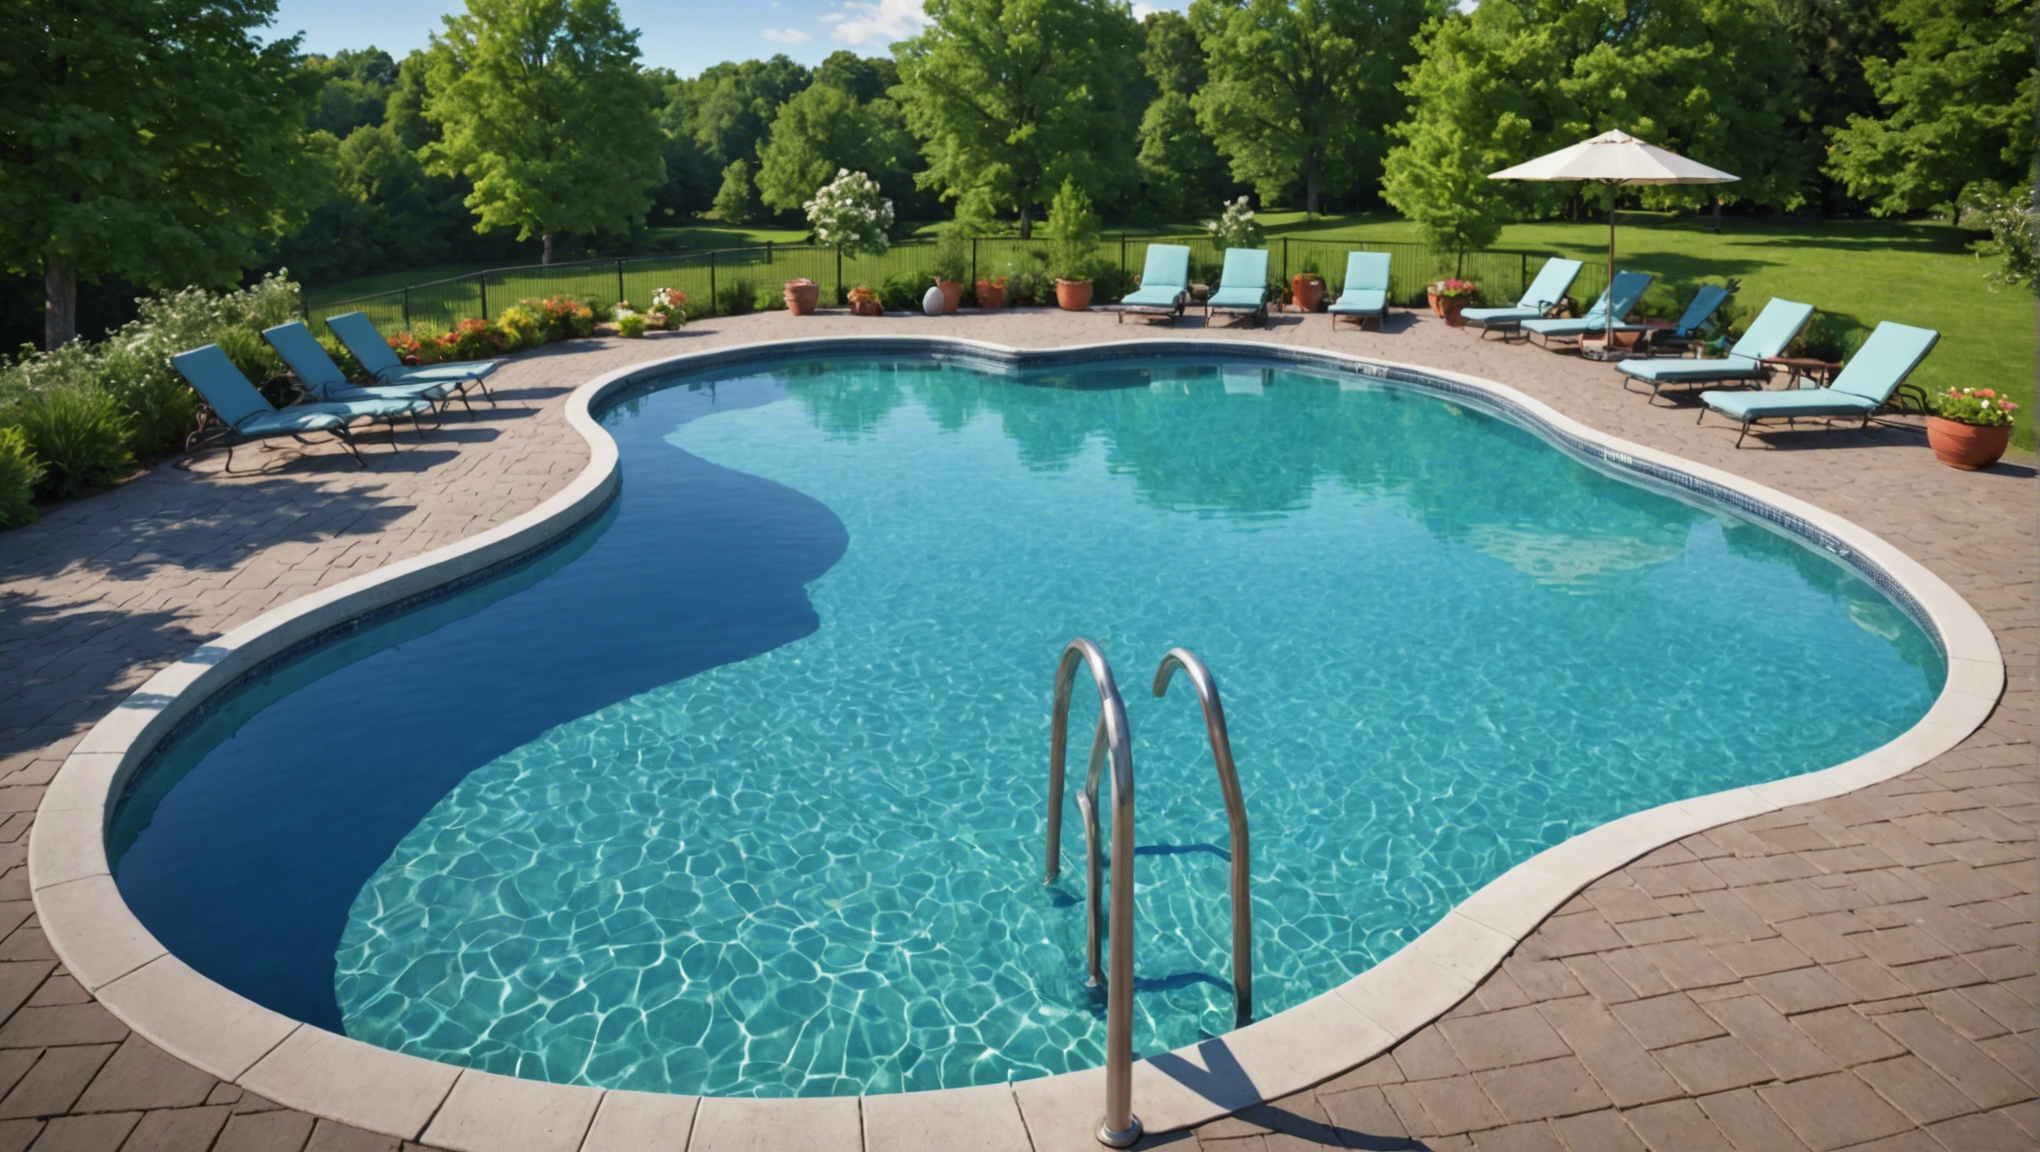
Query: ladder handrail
(1120, 1127)
(1235, 815)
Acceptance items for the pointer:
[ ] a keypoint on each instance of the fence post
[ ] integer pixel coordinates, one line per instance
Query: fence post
(1285, 257)
(407, 308)
(711, 282)
(1122, 254)
(1522, 272)
(839, 273)
(973, 260)
(620, 296)
(482, 282)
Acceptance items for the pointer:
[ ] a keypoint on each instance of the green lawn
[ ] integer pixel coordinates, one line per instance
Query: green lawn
(1856, 272)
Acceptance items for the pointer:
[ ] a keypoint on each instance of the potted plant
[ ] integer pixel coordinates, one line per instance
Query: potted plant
(669, 309)
(951, 264)
(1450, 297)
(1969, 428)
(802, 294)
(1307, 289)
(991, 291)
(864, 302)
(1073, 237)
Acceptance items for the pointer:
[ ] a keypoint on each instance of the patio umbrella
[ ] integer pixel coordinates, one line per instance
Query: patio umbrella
(1614, 159)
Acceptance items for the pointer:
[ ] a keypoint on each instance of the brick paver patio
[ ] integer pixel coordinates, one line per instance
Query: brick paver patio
(1856, 973)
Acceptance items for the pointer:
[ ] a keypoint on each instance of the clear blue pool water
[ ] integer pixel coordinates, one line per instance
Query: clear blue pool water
(742, 792)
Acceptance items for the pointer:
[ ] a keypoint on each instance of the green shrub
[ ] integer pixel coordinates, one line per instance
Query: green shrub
(471, 339)
(562, 318)
(349, 366)
(19, 473)
(631, 325)
(736, 297)
(952, 253)
(520, 327)
(251, 354)
(77, 431)
(902, 291)
(770, 300)
(1828, 337)
(1028, 282)
(1110, 281)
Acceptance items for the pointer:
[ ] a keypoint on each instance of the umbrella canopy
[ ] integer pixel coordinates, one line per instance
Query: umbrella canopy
(1615, 159)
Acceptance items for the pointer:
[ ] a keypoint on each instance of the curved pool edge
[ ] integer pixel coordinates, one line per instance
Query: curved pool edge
(109, 951)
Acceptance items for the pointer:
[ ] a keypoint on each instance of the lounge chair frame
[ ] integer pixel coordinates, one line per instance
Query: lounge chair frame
(1903, 341)
(1161, 259)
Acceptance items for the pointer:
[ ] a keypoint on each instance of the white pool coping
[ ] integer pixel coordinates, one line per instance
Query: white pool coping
(108, 950)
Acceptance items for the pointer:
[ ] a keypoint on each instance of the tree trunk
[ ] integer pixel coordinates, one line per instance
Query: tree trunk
(1026, 219)
(1310, 190)
(548, 239)
(60, 301)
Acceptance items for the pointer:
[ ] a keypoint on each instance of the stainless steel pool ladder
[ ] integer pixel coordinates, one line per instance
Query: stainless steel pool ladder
(1111, 740)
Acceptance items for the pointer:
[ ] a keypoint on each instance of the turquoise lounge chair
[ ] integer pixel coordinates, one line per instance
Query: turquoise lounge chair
(1364, 295)
(1768, 335)
(1864, 385)
(1164, 284)
(1538, 300)
(1682, 334)
(359, 333)
(1243, 285)
(1625, 292)
(245, 415)
(322, 378)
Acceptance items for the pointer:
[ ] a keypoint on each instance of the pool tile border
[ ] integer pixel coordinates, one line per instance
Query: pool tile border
(329, 1075)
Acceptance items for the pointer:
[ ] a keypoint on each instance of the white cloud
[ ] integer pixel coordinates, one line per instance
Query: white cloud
(786, 35)
(1142, 10)
(878, 22)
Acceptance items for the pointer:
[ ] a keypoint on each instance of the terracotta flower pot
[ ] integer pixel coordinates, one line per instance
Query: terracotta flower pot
(1308, 292)
(866, 308)
(1967, 446)
(1450, 308)
(802, 295)
(990, 295)
(1073, 295)
(1437, 302)
(952, 295)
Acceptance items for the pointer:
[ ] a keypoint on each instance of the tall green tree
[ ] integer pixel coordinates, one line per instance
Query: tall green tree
(158, 143)
(541, 104)
(1012, 97)
(824, 130)
(355, 87)
(865, 78)
(1957, 107)
(1179, 164)
(1301, 91)
(1484, 94)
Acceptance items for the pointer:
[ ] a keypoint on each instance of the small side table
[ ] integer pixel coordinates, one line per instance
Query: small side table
(1802, 371)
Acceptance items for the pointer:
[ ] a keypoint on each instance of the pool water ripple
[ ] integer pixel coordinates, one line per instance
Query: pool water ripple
(815, 869)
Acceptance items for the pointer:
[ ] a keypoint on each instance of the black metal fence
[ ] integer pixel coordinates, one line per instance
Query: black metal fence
(724, 280)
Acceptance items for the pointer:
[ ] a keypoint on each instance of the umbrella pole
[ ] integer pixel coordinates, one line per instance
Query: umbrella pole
(1608, 340)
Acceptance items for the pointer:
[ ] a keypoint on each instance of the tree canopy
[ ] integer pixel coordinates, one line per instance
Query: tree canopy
(1013, 97)
(1300, 91)
(1957, 107)
(540, 103)
(824, 130)
(159, 143)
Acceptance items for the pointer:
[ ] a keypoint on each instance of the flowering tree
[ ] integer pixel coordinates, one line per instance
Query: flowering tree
(847, 213)
(1235, 227)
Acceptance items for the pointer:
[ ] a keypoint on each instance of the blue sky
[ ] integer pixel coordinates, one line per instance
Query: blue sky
(684, 35)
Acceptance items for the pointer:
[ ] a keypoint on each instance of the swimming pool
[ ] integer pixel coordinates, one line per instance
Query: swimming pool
(844, 524)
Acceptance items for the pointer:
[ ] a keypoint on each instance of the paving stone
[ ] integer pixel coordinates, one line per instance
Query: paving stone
(1500, 1039)
(62, 1024)
(16, 1135)
(56, 1080)
(1364, 1113)
(1537, 1091)
(1748, 1123)
(1446, 1107)
(1537, 1137)
(1426, 1056)
(141, 1075)
(1916, 1091)
(1716, 1065)
(1676, 1126)
(1663, 1021)
(278, 1131)
(1771, 1037)
(1832, 1111)
(87, 1133)
(1982, 1132)
(1970, 1068)
(1802, 990)
(177, 1130)
(1596, 1132)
